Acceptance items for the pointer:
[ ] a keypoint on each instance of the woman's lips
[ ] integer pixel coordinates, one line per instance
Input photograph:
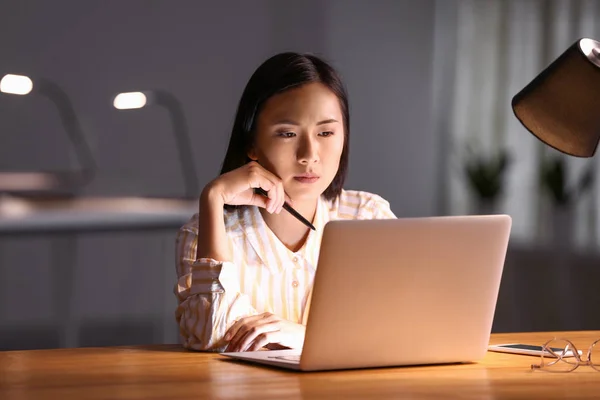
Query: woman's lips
(306, 179)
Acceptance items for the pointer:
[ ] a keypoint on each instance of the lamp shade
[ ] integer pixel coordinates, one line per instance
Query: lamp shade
(561, 106)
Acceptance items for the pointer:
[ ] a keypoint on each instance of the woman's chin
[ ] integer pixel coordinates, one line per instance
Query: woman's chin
(304, 194)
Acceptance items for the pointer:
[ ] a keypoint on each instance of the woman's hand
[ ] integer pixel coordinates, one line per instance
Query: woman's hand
(237, 188)
(257, 331)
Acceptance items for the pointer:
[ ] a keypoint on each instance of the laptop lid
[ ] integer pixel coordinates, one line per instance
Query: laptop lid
(405, 291)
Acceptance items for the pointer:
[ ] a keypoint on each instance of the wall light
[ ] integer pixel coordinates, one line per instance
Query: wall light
(16, 84)
(137, 100)
(130, 101)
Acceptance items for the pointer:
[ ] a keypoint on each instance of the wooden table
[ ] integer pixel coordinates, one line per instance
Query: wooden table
(168, 371)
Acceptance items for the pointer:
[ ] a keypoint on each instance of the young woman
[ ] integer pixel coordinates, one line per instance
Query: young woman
(245, 268)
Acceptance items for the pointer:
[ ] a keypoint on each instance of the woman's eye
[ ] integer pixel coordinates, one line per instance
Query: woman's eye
(327, 133)
(286, 134)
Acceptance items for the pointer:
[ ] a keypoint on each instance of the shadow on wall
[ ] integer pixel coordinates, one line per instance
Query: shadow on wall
(116, 333)
(548, 289)
(92, 333)
(29, 337)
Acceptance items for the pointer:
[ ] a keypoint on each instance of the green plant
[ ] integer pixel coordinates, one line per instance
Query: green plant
(553, 178)
(485, 174)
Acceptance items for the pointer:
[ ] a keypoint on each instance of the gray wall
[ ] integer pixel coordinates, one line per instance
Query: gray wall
(117, 288)
(385, 51)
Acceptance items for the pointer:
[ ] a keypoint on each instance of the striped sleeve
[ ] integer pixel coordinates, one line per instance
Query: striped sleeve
(380, 208)
(208, 293)
(363, 205)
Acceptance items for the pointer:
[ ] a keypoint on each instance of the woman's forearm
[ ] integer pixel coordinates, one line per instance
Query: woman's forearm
(212, 237)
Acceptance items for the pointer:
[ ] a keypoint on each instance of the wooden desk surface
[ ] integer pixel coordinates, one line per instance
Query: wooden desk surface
(168, 371)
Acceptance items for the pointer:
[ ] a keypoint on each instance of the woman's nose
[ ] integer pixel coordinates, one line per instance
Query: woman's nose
(308, 151)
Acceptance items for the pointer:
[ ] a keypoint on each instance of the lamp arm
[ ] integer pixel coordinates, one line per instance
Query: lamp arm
(184, 145)
(71, 124)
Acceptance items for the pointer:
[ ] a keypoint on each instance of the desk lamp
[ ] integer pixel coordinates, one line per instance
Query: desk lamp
(136, 100)
(561, 106)
(62, 183)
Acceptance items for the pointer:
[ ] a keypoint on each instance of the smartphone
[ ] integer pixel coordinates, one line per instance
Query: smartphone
(528, 349)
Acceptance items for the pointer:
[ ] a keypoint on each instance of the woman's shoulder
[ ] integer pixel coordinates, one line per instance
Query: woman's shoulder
(361, 196)
(357, 204)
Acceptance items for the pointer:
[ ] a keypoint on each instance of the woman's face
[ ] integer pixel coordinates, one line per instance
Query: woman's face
(300, 137)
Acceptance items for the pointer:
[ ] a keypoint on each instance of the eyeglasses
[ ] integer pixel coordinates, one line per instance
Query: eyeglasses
(561, 355)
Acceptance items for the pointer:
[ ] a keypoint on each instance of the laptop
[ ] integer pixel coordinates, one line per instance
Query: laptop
(400, 292)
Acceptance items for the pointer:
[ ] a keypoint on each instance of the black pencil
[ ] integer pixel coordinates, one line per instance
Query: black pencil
(289, 209)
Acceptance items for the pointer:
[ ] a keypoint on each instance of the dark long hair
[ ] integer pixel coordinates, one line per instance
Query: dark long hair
(279, 73)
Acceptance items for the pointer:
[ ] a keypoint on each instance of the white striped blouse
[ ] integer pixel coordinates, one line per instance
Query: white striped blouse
(265, 276)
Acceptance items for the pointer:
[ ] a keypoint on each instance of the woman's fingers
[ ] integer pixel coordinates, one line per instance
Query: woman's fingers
(272, 202)
(232, 331)
(238, 187)
(279, 193)
(280, 197)
(261, 178)
(253, 333)
(239, 329)
(275, 191)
